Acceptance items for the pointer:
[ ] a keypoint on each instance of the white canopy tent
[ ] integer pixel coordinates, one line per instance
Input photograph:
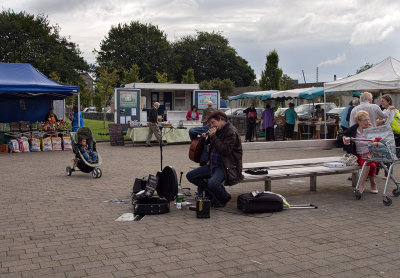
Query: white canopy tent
(384, 76)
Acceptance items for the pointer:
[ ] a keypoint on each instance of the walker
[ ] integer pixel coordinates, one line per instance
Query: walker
(380, 151)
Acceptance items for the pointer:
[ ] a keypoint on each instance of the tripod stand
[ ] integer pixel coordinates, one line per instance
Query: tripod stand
(161, 142)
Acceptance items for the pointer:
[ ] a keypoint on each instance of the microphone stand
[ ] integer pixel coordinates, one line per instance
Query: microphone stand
(161, 145)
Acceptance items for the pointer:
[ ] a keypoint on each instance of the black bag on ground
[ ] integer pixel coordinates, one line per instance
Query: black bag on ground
(166, 185)
(262, 202)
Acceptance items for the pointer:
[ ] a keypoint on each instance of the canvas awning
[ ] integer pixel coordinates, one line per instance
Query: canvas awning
(24, 81)
(384, 76)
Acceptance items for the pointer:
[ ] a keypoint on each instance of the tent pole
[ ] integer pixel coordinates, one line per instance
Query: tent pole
(79, 110)
(325, 130)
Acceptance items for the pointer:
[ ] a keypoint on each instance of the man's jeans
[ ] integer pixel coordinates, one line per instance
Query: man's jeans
(214, 183)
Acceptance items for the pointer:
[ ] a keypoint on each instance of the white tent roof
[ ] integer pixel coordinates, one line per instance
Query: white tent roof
(384, 76)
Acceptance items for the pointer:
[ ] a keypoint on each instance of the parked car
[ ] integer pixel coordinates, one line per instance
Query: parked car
(280, 111)
(336, 112)
(232, 111)
(258, 109)
(305, 111)
(90, 109)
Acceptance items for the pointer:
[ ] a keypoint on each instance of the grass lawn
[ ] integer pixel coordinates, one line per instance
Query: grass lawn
(97, 127)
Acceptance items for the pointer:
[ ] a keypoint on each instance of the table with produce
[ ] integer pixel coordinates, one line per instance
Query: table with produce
(24, 136)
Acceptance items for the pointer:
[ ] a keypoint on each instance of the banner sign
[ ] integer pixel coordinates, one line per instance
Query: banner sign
(203, 97)
(128, 99)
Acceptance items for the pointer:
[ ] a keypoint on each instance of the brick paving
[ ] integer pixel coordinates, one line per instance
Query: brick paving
(52, 225)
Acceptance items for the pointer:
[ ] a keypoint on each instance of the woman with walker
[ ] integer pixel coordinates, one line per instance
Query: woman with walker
(360, 148)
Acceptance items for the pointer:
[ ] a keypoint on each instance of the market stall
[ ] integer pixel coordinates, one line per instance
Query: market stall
(170, 133)
(26, 96)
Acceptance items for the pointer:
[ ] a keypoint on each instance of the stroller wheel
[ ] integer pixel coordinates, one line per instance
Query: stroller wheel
(99, 173)
(387, 201)
(94, 173)
(357, 194)
(396, 192)
(68, 171)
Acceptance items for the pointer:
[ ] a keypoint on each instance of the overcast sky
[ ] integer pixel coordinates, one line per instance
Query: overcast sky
(338, 36)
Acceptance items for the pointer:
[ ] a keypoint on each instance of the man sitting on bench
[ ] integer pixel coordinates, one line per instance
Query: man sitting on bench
(225, 160)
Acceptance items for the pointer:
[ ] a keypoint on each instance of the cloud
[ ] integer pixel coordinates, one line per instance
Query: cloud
(304, 32)
(376, 30)
(339, 59)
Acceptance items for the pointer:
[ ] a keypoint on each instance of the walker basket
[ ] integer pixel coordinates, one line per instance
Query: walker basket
(381, 152)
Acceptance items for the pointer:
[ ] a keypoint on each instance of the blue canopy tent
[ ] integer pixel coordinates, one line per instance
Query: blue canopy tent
(26, 94)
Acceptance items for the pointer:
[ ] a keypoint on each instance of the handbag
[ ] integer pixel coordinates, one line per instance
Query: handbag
(349, 159)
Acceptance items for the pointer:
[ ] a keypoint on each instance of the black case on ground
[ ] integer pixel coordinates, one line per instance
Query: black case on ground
(263, 202)
(166, 185)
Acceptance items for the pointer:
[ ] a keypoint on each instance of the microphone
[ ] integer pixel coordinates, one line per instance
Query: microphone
(208, 131)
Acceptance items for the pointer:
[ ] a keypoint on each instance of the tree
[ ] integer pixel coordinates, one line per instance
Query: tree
(225, 86)
(188, 78)
(108, 78)
(25, 38)
(364, 67)
(210, 56)
(136, 43)
(131, 75)
(286, 83)
(162, 77)
(271, 76)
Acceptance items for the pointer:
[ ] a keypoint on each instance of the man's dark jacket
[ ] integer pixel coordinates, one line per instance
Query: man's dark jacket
(228, 145)
(153, 115)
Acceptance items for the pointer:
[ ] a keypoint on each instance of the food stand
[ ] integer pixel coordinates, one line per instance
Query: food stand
(26, 96)
(175, 100)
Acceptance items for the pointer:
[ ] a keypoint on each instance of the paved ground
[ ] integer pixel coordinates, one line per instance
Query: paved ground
(52, 225)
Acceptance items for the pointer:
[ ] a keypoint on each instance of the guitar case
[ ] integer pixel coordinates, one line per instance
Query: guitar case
(166, 185)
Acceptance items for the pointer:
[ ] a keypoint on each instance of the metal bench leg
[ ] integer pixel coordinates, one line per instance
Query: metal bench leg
(354, 178)
(267, 185)
(313, 183)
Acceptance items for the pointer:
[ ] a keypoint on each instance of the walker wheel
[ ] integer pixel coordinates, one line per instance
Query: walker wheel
(396, 192)
(94, 173)
(99, 173)
(68, 171)
(357, 194)
(387, 201)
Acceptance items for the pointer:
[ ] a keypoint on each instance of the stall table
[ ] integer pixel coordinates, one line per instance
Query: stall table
(313, 129)
(169, 134)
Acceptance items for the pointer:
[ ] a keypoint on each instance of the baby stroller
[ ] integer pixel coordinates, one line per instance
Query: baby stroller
(381, 152)
(79, 160)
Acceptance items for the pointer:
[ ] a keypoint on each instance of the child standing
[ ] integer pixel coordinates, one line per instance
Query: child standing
(89, 155)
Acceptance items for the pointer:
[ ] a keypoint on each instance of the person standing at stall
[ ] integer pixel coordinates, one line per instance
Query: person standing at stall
(372, 109)
(192, 114)
(77, 116)
(268, 123)
(344, 122)
(51, 117)
(290, 118)
(251, 117)
(153, 124)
